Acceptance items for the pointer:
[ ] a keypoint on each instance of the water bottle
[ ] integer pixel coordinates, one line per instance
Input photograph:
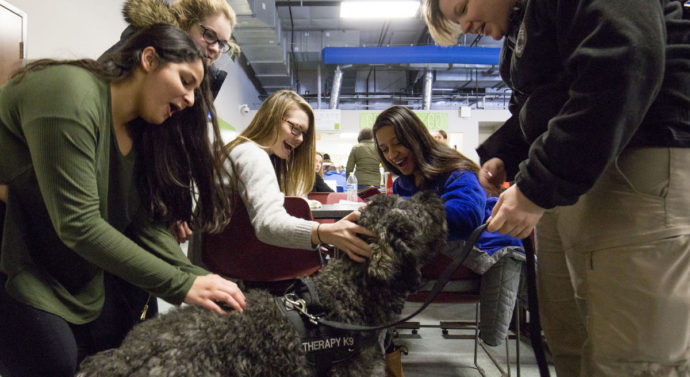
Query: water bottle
(352, 188)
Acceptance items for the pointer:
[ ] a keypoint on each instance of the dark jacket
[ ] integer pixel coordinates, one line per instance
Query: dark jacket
(320, 185)
(589, 79)
(144, 13)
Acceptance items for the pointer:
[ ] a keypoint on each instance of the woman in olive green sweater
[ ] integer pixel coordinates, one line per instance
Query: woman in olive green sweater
(100, 159)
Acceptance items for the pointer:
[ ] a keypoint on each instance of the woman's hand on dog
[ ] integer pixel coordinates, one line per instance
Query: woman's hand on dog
(209, 290)
(343, 235)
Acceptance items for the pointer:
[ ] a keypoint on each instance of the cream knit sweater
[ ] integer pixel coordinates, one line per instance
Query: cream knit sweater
(258, 187)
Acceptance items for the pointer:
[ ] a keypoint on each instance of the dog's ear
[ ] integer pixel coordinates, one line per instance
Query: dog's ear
(430, 221)
(382, 264)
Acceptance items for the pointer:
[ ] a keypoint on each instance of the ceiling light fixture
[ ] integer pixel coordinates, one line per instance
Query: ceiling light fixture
(378, 9)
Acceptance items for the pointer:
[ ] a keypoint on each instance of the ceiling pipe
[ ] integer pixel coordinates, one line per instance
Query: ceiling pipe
(428, 82)
(318, 86)
(411, 54)
(335, 91)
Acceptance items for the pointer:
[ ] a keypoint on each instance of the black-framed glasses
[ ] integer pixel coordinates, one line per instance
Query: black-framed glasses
(211, 37)
(295, 130)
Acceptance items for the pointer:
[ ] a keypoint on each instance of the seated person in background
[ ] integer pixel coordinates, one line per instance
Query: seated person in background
(319, 184)
(364, 160)
(331, 174)
(421, 163)
(441, 136)
(274, 157)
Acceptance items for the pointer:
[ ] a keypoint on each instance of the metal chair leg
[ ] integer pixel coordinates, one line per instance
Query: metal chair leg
(517, 336)
(477, 340)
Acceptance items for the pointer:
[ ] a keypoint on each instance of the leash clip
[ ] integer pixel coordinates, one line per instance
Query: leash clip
(293, 302)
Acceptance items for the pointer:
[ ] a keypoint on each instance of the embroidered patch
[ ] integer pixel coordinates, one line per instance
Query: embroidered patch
(318, 344)
(521, 40)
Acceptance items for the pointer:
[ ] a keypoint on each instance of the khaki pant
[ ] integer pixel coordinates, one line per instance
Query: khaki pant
(614, 271)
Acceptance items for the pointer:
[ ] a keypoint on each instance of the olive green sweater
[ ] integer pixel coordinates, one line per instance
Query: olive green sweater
(73, 210)
(364, 160)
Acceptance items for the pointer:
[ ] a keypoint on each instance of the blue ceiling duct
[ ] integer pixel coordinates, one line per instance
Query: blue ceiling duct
(411, 54)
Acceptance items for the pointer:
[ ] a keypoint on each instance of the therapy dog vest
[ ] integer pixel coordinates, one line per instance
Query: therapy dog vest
(323, 345)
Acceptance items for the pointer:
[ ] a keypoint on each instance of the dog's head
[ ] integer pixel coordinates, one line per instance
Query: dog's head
(408, 232)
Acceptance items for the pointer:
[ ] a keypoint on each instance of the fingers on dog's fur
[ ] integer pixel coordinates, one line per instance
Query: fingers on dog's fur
(414, 228)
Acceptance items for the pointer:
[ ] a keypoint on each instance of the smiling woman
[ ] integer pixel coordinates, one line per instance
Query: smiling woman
(274, 157)
(86, 160)
(208, 22)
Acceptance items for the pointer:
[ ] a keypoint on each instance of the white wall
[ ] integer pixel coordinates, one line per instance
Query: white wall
(69, 29)
(237, 90)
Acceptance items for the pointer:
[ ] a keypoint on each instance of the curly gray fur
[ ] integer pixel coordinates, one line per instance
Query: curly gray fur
(260, 342)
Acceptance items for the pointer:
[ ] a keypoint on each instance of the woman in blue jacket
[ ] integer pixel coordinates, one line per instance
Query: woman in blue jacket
(408, 150)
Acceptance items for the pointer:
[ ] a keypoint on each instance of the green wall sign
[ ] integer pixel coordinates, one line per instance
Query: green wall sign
(434, 121)
(225, 125)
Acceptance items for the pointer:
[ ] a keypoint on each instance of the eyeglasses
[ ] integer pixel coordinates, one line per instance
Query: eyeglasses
(295, 130)
(211, 38)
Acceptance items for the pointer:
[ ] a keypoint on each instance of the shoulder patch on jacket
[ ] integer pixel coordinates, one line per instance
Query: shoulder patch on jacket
(144, 13)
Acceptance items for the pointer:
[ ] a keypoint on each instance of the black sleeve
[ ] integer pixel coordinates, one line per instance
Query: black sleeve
(508, 144)
(320, 185)
(216, 77)
(612, 52)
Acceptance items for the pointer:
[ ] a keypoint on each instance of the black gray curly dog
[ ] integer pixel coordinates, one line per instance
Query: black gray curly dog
(261, 341)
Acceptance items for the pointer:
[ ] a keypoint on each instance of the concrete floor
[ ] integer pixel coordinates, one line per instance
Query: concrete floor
(431, 354)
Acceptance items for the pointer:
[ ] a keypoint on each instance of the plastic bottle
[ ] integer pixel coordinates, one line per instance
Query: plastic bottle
(389, 183)
(352, 188)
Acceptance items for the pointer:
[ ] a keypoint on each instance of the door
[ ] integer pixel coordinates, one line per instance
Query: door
(12, 35)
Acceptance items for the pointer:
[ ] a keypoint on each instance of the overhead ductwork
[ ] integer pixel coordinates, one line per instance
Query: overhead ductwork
(410, 55)
(259, 34)
(335, 92)
(428, 83)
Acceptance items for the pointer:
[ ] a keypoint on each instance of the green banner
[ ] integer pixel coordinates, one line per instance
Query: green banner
(225, 125)
(434, 121)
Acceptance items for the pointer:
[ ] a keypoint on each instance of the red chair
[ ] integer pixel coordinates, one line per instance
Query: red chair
(237, 253)
(318, 196)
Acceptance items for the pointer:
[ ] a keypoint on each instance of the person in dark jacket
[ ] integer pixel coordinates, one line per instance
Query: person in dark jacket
(319, 184)
(598, 148)
(209, 22)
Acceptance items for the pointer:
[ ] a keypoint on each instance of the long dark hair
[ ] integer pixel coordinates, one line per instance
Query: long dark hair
(433, 159)
(177, 162)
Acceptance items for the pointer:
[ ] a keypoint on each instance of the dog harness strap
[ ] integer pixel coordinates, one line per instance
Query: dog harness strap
(311, 289)
(440, 283)
(324, 346)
